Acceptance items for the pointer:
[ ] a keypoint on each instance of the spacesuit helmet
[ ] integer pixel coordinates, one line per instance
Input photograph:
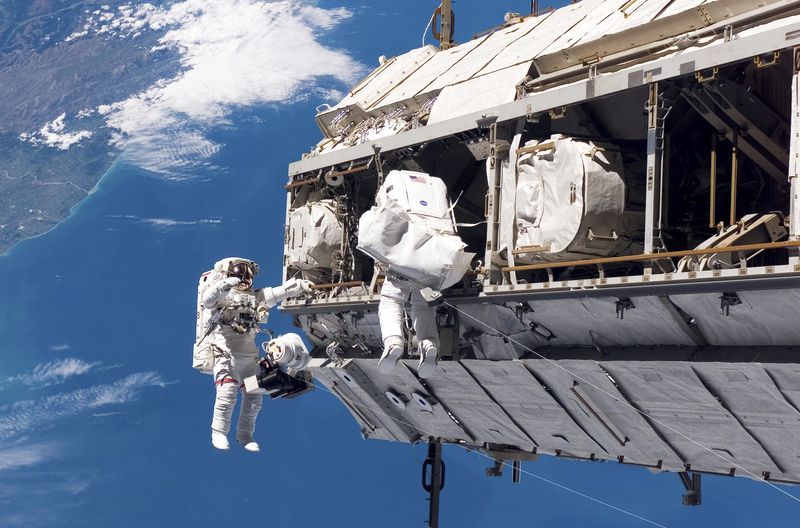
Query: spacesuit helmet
(244, 272)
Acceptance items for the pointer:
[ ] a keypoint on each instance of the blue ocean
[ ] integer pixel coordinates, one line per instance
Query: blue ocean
(125, 442)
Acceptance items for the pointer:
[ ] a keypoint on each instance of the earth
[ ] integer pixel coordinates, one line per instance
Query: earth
(139, 143)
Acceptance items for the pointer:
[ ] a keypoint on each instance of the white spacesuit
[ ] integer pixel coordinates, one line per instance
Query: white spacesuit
(232, 314)
(411, 234)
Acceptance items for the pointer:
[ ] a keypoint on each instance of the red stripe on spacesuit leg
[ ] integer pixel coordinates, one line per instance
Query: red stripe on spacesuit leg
(225, 380)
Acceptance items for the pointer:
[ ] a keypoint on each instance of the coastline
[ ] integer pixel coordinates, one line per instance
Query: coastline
(72, 210)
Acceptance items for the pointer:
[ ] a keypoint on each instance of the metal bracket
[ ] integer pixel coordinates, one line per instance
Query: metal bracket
(623, 304)
(611, 238)
(797, 59)
(768, 60)
(558, 113)
(530, 116)
(727, 34)
(541, 331)
(726, 300)
(491, 124)
(691, 482)
(707, 75)
(433, 481)
(496, 470)
(516, 471)
(333, 350)
(378, 164)
(485, 123)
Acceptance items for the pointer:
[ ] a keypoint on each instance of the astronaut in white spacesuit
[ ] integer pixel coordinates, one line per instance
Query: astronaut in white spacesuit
(411, 235)
(233, 311)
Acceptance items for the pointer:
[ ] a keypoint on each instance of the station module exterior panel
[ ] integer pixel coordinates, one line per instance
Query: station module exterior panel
(626, 174)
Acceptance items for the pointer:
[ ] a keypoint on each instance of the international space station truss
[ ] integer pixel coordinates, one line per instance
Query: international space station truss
(626, 171)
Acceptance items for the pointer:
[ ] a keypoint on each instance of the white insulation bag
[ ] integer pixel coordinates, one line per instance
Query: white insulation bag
(315, 233)
(570, 201)
(412, 232)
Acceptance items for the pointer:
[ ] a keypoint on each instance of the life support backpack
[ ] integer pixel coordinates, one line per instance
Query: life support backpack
(411, 230)
(203, 352)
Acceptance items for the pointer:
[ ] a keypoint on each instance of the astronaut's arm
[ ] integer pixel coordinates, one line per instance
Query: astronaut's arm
(214, 294)
(291, 288)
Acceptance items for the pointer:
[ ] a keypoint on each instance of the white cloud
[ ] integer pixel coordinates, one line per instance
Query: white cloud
(26, 455)
(169, 222)
(24, 417)
(53, 372)
(233, 54)
(106, 414)
(60, 348)
(53, 134)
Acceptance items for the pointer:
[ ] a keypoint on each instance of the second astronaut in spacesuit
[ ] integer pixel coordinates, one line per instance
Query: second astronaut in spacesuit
(233, 311)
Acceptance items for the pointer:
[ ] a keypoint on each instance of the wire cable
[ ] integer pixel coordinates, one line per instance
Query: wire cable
(566, 488)
(543, 479)
(624, 402)
(428, 27)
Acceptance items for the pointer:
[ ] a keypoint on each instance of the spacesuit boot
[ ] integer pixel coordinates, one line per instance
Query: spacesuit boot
(219, 440)
(392, 352)
(427, 358)
(251, 405)
(248, 443)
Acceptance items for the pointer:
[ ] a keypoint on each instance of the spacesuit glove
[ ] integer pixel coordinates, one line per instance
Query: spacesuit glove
(296, 287)
(291, 288)
(306, 285)
(230, 282)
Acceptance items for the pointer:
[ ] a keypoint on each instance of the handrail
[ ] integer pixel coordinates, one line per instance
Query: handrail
(348, 284)
(654, 256)
(330, 286)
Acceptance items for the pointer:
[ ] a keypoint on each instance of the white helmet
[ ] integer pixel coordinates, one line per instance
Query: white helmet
(241, 268)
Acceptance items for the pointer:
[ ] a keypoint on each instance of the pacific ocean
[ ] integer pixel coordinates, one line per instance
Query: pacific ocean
(125, 442)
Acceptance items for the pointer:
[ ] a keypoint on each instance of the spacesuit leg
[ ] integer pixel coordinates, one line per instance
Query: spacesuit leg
(250, 406)
(391, 313)
(226, 387)
(423, 317)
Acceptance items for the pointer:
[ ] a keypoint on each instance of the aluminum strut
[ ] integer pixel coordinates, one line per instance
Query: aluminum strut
(433, 481)
(691, 481)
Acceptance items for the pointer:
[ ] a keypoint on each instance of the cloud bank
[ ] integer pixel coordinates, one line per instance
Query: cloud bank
(233, 54)
(24, 417)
